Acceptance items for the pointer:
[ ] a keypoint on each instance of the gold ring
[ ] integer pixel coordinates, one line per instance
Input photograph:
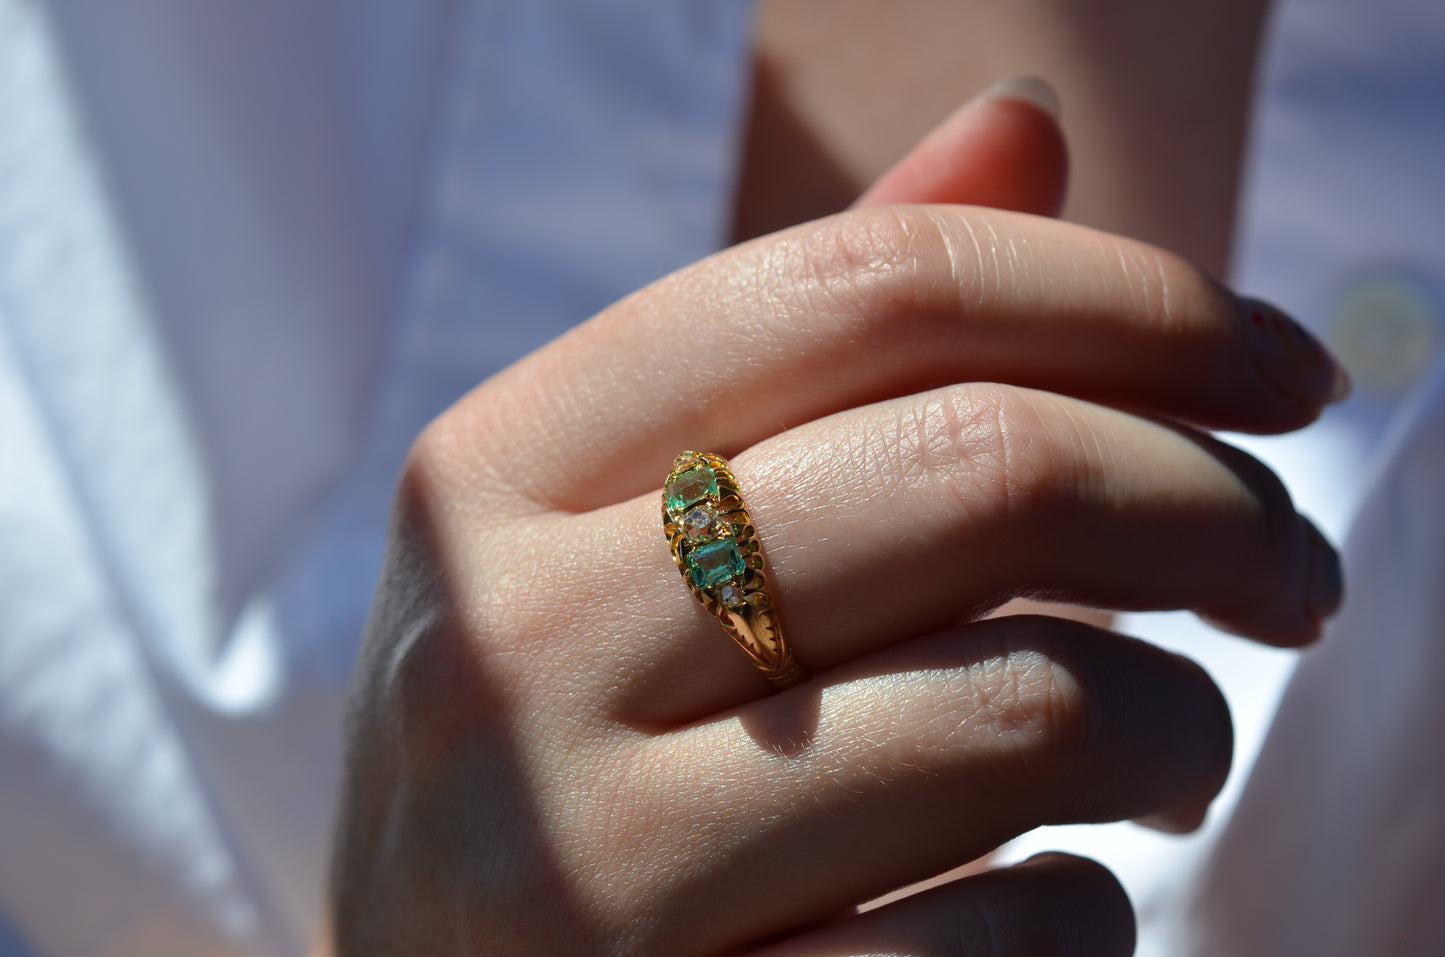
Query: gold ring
(718, 552)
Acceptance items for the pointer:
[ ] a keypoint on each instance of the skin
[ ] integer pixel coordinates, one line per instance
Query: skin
(1157, 96)
(554, 750)
(1156, 103)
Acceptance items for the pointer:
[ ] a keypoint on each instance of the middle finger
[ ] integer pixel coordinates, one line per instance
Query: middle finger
(877, 303)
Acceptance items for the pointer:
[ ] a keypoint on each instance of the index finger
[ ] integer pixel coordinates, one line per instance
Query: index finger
(874, 304)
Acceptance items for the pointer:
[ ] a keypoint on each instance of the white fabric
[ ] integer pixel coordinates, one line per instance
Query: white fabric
(247, 251)
(1342, 188)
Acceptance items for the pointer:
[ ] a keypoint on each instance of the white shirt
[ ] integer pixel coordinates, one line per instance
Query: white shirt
(245, 255)
(246, 252)
(1340, 224)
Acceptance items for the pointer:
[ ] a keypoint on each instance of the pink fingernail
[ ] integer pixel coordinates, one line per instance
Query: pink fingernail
(1290, 358)
(1028, 89)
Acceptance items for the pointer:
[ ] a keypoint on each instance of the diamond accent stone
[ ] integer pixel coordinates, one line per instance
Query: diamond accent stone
(731, 595)
(697, 523)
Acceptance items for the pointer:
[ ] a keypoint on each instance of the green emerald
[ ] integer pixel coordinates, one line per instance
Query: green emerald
(715, 562)
(690, 487)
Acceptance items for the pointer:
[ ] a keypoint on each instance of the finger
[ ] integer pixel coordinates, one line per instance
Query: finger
(1052, 904)
(913, 512)
(1003, 149)
(903, 517)
(908, 763)
(872, 304)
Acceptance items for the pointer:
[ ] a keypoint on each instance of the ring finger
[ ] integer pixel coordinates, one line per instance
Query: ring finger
(893, 520)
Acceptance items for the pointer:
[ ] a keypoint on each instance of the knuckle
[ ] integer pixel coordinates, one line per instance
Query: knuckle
(430, 465)
(1032, 706)
(998, 453)
(1050, 456)
(459, 559)
(873, 275)
(462, 458)
(1009, 705)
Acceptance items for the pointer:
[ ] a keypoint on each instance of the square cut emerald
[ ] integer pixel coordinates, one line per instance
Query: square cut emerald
(715, 562)
(690, 487)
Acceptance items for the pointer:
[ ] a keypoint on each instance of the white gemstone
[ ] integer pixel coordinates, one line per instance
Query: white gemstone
(696, 522)
(732, 596)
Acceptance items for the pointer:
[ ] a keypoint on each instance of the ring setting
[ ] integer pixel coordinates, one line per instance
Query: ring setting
(718, 552)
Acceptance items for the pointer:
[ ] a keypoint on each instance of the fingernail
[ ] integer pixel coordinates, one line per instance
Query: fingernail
(1291, 359)
(1045, 858)
(1326, 586)
(1185, 821)
(1343, 386)
(1028, 89)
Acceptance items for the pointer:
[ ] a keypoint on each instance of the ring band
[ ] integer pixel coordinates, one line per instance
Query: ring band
(718, 552)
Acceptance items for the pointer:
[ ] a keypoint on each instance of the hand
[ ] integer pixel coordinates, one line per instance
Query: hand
(555, 750)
